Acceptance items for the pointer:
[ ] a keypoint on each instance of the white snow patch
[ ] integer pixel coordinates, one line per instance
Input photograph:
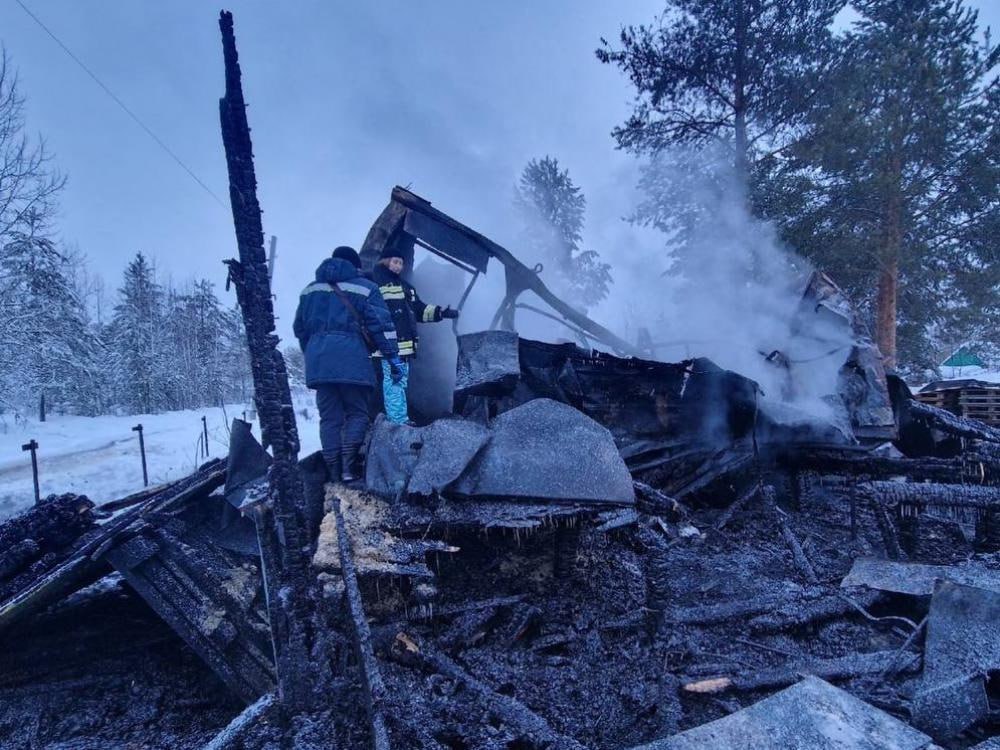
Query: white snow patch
(99, 456)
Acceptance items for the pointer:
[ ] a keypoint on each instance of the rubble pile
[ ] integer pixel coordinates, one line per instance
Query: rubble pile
(590, 551)
(551, 567)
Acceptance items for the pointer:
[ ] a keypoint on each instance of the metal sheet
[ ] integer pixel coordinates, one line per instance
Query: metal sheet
(488, 363)
(962, 645)
(547, 450)
(447, 240)
(918, 579)
(810, 715)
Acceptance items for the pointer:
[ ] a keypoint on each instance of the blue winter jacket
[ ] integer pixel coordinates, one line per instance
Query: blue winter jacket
(330, 335)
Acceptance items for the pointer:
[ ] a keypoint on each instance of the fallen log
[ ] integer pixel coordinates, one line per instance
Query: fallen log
(840, 668)
(407, 650)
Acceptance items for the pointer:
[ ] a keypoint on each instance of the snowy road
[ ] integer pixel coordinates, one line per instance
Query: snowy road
(99, 456)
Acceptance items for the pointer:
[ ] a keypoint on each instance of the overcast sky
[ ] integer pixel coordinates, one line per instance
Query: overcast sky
(346, 99)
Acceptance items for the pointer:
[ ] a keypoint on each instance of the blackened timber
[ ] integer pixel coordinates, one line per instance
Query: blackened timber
(825, 608)
(407, 650)
(192, 585)
(943, 470)
(39, 539)
(297, 644)
(653, 501)
(234, 735)
(954, 425)
(362, 635)
(922, 494)
(839, 668)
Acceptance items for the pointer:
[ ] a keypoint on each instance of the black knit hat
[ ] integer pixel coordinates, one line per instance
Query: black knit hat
(390, 251)
(349, 254)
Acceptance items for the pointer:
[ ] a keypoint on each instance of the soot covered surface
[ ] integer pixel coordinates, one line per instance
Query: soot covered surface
(103, 671)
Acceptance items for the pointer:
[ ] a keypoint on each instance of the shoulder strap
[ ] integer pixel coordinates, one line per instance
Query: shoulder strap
(357, 316)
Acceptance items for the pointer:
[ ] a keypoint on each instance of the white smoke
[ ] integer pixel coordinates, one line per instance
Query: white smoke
(735, 302)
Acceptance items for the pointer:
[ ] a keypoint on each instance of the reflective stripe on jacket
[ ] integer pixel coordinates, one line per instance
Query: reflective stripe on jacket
(330, 335)
(406, 307)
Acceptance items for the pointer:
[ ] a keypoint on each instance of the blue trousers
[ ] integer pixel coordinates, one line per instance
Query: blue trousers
(394, 394)
(343, 420)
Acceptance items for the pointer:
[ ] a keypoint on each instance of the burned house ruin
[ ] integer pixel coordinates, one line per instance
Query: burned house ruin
(594, 549)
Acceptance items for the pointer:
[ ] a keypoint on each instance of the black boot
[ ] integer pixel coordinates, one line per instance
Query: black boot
(348, 456)
(334, 467)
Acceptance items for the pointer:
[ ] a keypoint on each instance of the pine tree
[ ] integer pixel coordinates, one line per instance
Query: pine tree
(895, 188)
(720, 87)
(552, 209)
(140, 356)
(52, 350)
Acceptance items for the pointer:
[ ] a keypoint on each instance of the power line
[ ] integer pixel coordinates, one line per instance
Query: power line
(121, 104)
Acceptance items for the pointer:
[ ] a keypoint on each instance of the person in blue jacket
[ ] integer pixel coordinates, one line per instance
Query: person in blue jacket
(340, 315)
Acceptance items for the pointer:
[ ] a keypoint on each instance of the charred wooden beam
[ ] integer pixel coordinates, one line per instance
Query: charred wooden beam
(37, 540)
(798, 554)
(234, 735)
(840, 668)
(744, 497)
(945, 421)
(71, 575)
(195, 588)
(921, 495)
(375, 687)
(650, 500)
(712, 614)
(963, 470)
(290, 583)
(822, 609)
(407, 650)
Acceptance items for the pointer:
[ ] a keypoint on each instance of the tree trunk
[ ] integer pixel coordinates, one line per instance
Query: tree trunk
(885, 312)
(741, 161)
(888, 280)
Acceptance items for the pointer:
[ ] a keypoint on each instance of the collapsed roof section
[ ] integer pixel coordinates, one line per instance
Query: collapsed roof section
(410, 221)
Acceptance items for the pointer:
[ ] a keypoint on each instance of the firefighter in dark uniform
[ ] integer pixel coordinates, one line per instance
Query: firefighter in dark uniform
(407, 310)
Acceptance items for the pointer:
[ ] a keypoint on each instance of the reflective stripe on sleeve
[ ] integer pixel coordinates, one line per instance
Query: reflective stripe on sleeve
(317, 286)
(347, 286)
(429, 312)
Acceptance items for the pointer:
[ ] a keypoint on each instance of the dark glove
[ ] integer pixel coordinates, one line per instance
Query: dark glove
(396, 370)
(449, 313)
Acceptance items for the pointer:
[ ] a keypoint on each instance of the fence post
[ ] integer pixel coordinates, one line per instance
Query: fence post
(204, 433)
(32, 445)
(142, 452)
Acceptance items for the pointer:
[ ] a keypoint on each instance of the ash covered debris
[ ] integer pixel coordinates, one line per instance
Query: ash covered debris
(732, 569)
(592, 551)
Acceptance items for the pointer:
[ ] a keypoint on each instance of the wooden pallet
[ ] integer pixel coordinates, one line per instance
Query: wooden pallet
(976, 403)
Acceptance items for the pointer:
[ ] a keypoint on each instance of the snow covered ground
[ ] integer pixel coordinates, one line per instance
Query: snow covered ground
(99, 456)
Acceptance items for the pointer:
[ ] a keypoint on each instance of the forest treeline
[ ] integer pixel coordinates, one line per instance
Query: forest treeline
(867, 134)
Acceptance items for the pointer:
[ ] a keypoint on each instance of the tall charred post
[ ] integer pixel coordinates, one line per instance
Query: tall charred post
(283, 530)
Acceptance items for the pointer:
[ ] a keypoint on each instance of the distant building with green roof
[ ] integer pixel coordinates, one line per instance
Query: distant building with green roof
(963, 357)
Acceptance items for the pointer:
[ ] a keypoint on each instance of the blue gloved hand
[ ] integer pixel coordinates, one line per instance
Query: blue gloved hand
(396, 369)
